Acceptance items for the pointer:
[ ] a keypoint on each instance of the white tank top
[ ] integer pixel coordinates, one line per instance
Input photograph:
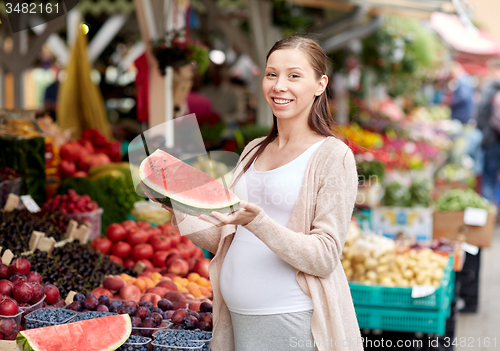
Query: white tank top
(253, 279)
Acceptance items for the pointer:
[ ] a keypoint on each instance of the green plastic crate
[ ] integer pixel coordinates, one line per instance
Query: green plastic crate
(403, 320)
(381, 296)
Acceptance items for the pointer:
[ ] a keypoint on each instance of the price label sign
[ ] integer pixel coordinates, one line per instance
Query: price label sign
(470, 249)
(30, 204)
(422, 291)
(475, 216)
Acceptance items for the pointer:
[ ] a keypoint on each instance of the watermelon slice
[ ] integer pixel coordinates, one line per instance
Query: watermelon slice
(183, 187)
(99, 334)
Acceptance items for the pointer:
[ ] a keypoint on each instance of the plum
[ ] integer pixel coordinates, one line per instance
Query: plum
(104, 300)
(7, 326)
(23, 291)
(157, 317)
(179, 315)
(190, 322)
(4, 271)
(51, 294)
(20, 266)
(102, 308)
(37, 292)
(147, 304)
(136, 321)
(79, 297)
(115, 305)
(142, 312)
(206, 307)
(75, 306)
(165, 305)
(90, 303)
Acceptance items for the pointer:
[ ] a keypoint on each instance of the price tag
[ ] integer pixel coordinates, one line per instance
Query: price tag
(47, 244)
(69, 298)
(35, 239)
(12, 202)
(139, 267)
(7, 257)
(72, 226)
(475, 216)
(30, 204)
(471, 249)
(422, 291)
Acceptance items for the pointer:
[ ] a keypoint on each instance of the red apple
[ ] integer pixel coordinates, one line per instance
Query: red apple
(6, 287)
(20, 266)
(4, 271)
(51, 294)
(37, 292)
(8, 307)
(34, 277)
(23, 291)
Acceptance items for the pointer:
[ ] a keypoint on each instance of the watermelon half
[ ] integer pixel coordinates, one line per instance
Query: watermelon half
(183, 187)
(99, 334)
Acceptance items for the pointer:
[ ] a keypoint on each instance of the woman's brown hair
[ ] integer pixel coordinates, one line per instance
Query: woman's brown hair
(320, 118)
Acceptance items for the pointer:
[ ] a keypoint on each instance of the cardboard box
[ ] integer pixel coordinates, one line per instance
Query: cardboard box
(451, 224)
(415, 221)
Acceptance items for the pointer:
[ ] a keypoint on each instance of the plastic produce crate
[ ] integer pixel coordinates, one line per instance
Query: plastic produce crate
(94, 218)
(380, 296)
(404, 320)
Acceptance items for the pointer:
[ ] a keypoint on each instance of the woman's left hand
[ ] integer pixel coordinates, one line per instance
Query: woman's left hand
(246, 213)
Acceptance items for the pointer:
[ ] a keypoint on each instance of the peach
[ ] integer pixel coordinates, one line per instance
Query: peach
(130, 292)
(149, 283)
(153, 298)
(178, 266)
(102, 291)
(193, 277)
(157, 290)
(167, 284)
(177, 299)
(194, 305)
(113, 284)
(156, 276)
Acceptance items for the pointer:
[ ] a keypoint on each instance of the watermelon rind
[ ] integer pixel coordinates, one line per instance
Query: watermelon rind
(180, 203)
(23, 337)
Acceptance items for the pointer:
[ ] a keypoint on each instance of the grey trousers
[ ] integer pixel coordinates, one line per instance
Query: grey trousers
(274, 332)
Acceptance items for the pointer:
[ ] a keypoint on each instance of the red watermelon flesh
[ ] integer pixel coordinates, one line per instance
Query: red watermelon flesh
(99, 334)
(179, 185)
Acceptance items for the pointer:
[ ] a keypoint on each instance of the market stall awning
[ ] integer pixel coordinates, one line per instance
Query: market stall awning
(462, 39)
(421, 9)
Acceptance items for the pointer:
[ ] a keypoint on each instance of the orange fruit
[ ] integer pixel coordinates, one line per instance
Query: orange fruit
(177, 280)
(193, 277)
(183, 289)
(156, 276)
(191, 285)
(195, 292)
(204, 291)
(202, 281)
(149, 283)
(185, 282)
(141, 284)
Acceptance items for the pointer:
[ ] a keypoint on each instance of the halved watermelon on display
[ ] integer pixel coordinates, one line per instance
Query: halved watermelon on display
(99, 334)
(183, 187)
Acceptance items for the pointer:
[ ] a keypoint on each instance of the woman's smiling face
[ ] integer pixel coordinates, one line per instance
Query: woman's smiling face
(290, 84)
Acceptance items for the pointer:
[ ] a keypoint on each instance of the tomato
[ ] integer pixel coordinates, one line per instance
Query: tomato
(148, 264)
(160, 242)
(116, 259)
(129, 263)
(186, 241)
(115, 232)
(184, 250)
(154, 231)
(121, 249)
(128, 224)
(137, 236)
(143, 225)
(103, 245)
(159, 258)
(175, 237)
(142, 251)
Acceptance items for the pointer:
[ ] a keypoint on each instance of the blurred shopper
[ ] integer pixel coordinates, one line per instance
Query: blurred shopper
(462, 103)
(228, 99)
(488, 109)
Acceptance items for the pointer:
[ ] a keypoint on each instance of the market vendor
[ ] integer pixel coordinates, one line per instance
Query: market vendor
(277, 279)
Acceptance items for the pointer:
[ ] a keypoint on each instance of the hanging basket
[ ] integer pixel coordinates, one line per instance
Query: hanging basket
(177, 54)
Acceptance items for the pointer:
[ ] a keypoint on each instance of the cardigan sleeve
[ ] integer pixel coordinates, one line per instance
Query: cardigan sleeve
(319, 252)
(202, 233)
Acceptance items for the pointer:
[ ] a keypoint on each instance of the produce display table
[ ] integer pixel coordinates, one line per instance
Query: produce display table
(394, 309)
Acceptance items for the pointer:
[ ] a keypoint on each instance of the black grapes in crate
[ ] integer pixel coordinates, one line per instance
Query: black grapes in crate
(75, 267)
(16, 228)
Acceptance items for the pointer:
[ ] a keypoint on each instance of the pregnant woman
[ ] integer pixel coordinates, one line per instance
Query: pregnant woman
(277, 279)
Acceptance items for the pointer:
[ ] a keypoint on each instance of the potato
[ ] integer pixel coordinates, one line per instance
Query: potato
(346, 264)
(371, 275)
(360, 257)
(408, 274)
(371, 263)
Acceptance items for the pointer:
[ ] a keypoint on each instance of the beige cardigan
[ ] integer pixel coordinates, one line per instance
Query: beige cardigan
(312, 243)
